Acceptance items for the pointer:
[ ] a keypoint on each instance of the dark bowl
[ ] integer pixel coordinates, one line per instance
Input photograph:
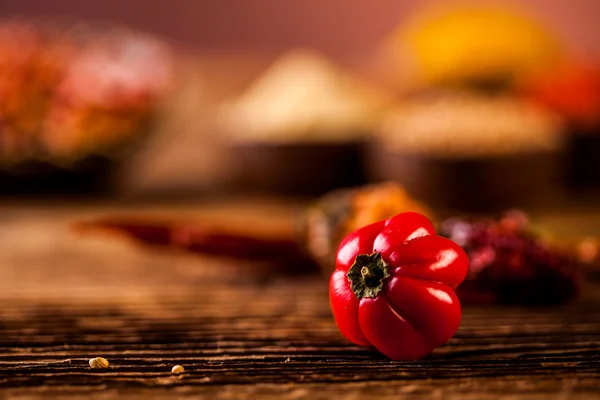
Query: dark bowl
(89, 176)
(83, 174)
(296, 168)
(489, 184)
(583, 151)
(32, 161)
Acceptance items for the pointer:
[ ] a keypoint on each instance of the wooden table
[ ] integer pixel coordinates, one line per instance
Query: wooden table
(243, 332)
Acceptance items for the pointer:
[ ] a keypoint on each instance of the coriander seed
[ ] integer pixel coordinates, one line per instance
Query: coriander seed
(98, 362)
(177, 369)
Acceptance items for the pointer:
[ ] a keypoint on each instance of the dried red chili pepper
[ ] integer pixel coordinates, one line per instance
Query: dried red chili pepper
(207, 239)
(393, 287)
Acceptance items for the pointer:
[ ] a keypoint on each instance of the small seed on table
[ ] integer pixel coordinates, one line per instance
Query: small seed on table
(177, 369)
(98, 362)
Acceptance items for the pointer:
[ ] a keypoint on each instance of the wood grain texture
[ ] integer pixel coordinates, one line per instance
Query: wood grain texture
(244, 335)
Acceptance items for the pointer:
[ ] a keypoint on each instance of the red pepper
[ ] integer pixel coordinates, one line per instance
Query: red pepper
(393, 287)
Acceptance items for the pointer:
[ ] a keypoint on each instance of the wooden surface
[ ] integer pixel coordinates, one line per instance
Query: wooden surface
(240, 331)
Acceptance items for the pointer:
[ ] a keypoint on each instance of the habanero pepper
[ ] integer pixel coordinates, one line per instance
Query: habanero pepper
(393, 286)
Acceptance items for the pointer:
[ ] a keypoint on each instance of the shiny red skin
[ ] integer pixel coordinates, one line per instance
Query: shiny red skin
(417, 310)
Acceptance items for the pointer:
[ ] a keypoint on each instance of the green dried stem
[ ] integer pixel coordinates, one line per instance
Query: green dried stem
(367, 274)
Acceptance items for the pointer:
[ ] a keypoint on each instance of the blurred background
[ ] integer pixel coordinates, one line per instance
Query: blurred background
(469, 106)
(170, 169)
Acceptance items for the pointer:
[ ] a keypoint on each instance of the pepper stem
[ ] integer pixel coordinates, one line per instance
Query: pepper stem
(367, 274)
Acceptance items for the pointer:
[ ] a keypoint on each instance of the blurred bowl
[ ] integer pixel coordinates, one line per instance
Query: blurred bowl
(91, 175)
(296, 168)
(488, 184)
(572, 89)
(583, 152)
(471, 151)
(75, 100)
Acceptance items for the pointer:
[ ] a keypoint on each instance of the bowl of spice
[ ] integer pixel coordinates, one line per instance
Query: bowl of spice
(471, 152)
(300, 127)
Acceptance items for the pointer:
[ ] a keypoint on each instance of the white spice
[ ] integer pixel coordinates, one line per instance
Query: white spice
(304, 96)
(470, 125)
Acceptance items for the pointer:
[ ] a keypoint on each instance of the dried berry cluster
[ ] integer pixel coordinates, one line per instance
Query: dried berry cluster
(510, 265)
